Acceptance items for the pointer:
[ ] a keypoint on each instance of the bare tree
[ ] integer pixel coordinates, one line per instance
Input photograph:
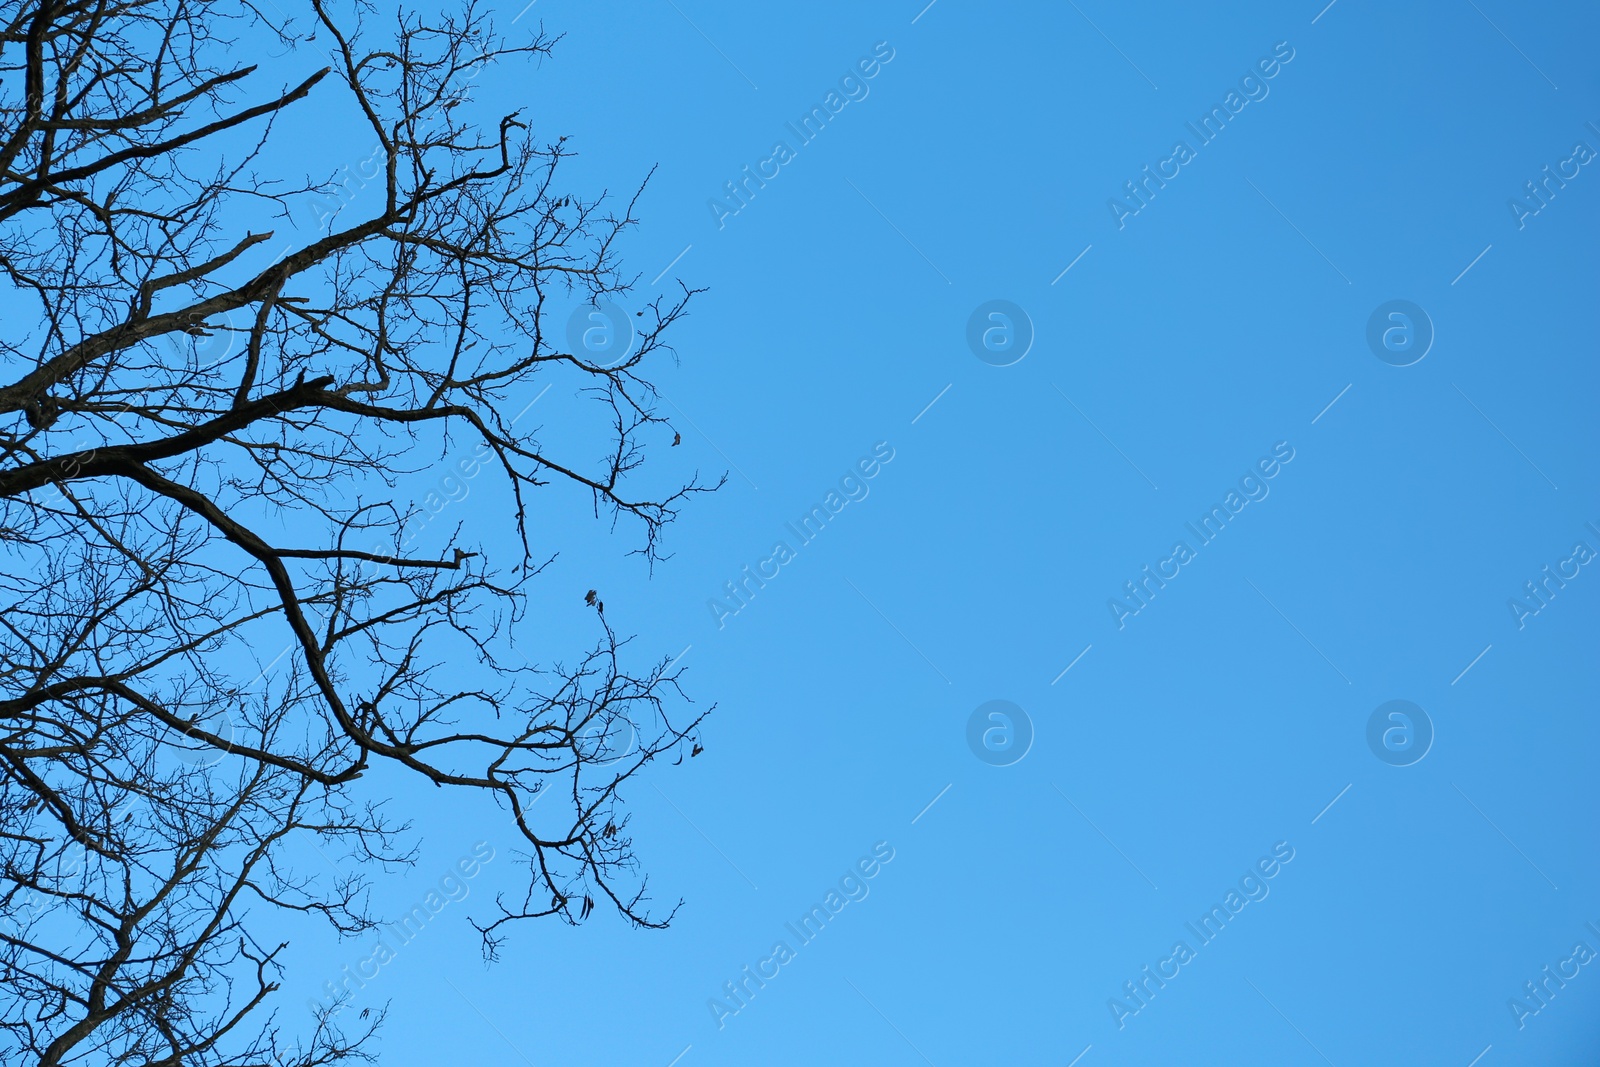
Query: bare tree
(208, 422)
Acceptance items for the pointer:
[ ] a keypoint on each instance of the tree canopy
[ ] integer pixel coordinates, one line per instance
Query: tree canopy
(209, 416)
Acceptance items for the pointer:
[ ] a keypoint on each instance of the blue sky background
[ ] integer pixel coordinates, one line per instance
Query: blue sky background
(1224, 318)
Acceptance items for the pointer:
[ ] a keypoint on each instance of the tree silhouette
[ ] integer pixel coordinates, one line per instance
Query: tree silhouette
(219, 381)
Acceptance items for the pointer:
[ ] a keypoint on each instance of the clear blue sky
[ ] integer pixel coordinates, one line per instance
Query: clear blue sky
(1218, 333)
